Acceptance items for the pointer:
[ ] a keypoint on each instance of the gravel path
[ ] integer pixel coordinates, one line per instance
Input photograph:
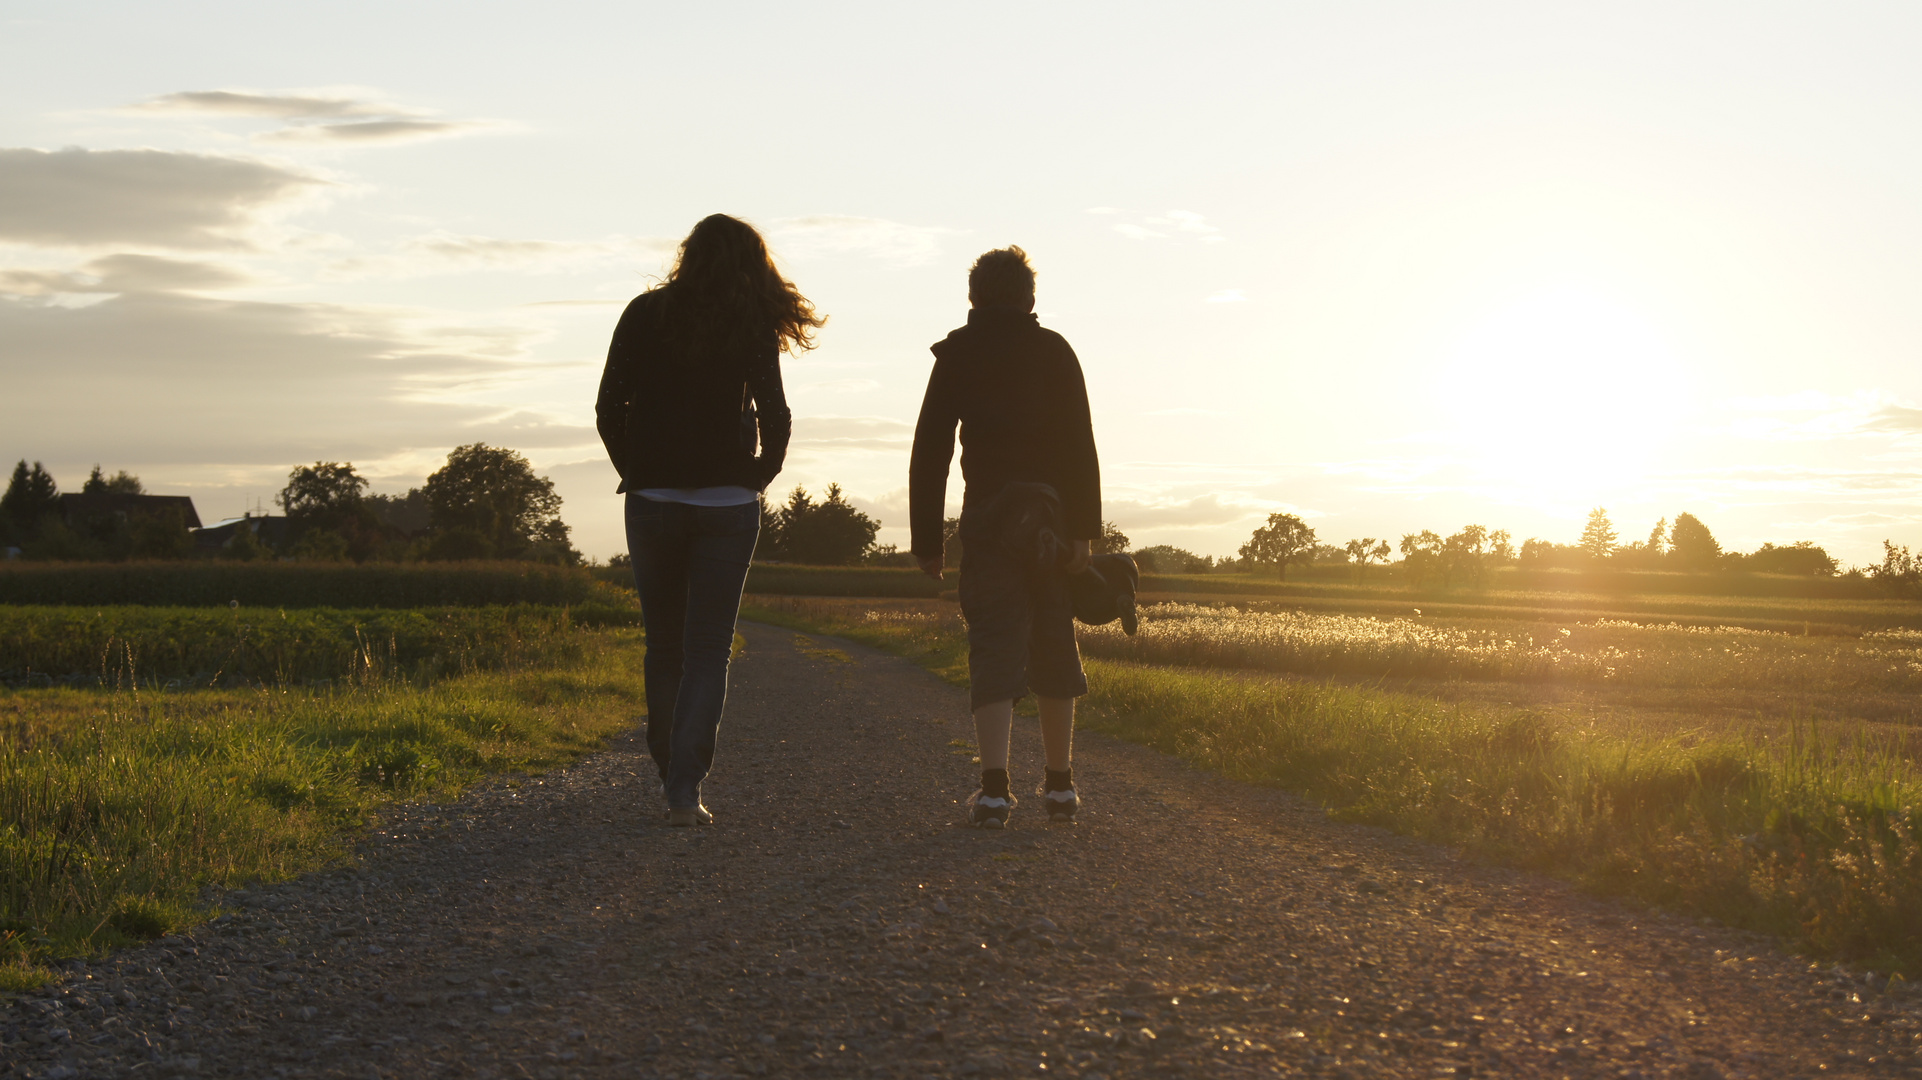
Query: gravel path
(837, 921)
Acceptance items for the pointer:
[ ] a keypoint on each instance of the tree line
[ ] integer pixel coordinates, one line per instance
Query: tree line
(486, 502)
(1466, 556)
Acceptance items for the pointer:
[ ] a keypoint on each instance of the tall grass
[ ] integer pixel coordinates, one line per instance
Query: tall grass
(1598, 652)
(117, 807)
(1811, 835)
(299, 585)
(216, 646)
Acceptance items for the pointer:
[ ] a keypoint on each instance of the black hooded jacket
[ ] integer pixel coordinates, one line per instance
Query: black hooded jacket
(675, 417)
(1017, 391)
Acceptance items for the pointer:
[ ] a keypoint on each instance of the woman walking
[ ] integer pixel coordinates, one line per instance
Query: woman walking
(693, 382)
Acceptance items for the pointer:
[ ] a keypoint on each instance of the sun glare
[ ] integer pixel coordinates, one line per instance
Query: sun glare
(1564, 391)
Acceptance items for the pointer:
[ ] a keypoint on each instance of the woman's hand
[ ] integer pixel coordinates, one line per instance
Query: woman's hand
(931, 566)
(1078, 556)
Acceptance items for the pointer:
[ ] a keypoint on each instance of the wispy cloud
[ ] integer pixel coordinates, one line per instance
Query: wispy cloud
(877, 238)
(124, 273)
(315, 117)
(1816, 416)
(852, 433)
(1173, 224)
(1227, 296)
(445, 252)
(93, 198)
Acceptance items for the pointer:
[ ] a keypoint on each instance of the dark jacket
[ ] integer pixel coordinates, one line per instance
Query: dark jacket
(1024, 521)
(678, 417)
(1017, 391)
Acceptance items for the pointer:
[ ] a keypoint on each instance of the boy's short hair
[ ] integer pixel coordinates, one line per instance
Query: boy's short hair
(1002, 278)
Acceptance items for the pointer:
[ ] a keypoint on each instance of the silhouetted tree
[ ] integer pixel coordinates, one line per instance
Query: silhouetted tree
(486, 502)
(1802, 557)
(828, 533)
(1900, 571)
(1421, 555)
(1658, 539)
(328, 519)
(1167, 559)
(1598, 536)
(407, 514)
(1692, 546)
(32, 498)
(121, 483)
(1285, 539)
(1113, 540)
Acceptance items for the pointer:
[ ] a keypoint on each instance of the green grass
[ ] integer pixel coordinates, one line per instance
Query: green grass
(302, 585)
(118, 806)
(1809, 834)
(214, 646)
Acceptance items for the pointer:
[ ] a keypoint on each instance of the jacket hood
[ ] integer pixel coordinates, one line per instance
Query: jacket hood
(986, 321)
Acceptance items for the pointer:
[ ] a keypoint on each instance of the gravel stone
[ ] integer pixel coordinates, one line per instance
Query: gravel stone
(1187, 926)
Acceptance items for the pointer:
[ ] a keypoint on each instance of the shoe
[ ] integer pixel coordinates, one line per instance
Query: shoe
(692, 815)
(1061, 805)
(989, 811)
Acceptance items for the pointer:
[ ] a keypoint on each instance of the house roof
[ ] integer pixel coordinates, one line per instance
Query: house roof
(103, 504)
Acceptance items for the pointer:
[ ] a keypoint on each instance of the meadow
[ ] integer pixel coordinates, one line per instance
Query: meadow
(1798, 825)
(149, 752)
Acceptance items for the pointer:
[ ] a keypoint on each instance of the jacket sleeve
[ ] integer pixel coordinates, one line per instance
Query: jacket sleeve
(613, 406)
(771, 413)
(928, 466)
(1081, 472)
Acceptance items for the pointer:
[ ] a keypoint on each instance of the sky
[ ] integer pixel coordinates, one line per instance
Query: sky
(1388, 266)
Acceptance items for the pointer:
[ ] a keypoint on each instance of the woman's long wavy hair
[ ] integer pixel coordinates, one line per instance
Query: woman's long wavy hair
(724, 289)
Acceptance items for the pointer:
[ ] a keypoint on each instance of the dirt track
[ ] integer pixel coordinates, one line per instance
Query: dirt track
(838, 921)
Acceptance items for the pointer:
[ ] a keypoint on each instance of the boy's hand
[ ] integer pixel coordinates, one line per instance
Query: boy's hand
(1078, 555)
(931, 566)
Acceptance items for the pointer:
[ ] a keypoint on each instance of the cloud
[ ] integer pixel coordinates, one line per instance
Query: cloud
(89, 198)
(336, 117)
(166, 379)
(1184, 410)
(1202, 511)
(124, 273)
(1227, 296)
(277, 106)
(1896, 418)
(1173, 223)
(372, 131)
(876, 238)
(444, 252)
(852, 433)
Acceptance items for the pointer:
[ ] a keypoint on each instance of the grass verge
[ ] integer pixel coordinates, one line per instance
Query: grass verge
(1811, 836)
(118, 807)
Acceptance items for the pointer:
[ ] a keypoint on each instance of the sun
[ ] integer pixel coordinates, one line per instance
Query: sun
(1562, 391)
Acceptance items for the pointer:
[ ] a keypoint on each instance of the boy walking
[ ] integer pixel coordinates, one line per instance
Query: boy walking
(1032, 478)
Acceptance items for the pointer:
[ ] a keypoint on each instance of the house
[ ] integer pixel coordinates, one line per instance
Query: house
(269, 529)
(84, 509)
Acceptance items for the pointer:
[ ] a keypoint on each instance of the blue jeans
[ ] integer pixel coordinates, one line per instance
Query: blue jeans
(690, 563)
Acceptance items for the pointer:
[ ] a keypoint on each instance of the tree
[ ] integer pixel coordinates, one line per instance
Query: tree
(32, 497)
(1598, 537)
(406, 514)
(1691, 544)
(1465, 555)
(828, 533)
(1501, 547)
(1420, 555)
(1658, 539)
(1113, 541)
(1802, 557)
(1900, 572)
(325, 491)
(1285, 539)
(1167, 559)
(121, 483)
(486, 502)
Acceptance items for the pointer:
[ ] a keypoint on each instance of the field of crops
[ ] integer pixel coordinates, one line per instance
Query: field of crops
(303, 584)
(175, 739)
(172, 648)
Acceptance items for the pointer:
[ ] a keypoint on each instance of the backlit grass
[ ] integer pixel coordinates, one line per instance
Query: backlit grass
(1808, 833)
